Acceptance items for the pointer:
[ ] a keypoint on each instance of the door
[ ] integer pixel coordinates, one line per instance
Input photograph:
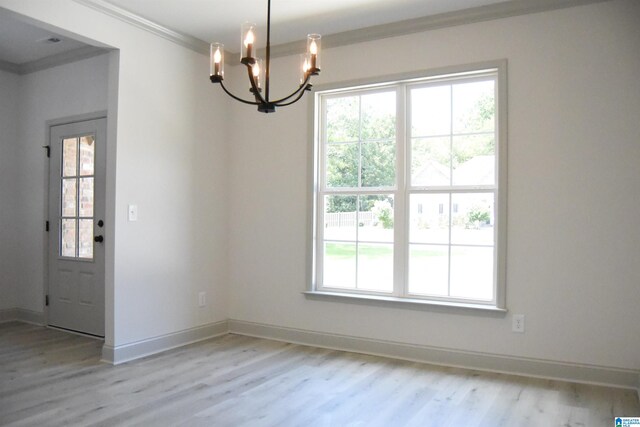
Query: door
(76, 226)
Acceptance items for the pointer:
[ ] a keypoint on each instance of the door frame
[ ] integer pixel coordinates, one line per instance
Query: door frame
(47, 234)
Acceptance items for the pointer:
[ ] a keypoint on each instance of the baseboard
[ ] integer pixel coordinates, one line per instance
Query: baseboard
(581, 373)
(136, 350)
(21, 315)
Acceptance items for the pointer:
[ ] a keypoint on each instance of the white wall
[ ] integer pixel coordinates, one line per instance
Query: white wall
(171, 161)
(8, 202)
(573, 210)
(59, 92)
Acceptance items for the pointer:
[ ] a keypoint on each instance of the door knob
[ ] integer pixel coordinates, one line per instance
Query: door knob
(98, 239)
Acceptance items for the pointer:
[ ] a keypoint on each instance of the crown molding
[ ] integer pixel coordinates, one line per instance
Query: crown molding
(74, 55)
(9, 67)
(124, 15)
(68, 57)
(490, 12)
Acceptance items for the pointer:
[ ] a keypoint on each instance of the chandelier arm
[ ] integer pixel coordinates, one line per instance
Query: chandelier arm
(302, 87)
(297, 98)
(236, 98)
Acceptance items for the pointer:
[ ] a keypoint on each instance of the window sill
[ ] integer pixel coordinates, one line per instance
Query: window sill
(412, 303)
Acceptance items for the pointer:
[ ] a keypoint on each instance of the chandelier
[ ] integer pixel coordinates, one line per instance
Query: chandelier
(259, 75)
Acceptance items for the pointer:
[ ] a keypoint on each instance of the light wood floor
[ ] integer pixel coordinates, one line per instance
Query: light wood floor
(50, 378)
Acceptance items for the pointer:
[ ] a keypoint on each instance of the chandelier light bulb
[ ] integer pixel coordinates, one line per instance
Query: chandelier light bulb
(249, 39)
(313, 49)
(217, 56)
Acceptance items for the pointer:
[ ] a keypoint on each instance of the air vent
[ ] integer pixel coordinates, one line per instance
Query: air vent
(50, 40)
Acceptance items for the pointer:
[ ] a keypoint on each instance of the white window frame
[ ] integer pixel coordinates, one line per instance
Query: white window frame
(402, 189)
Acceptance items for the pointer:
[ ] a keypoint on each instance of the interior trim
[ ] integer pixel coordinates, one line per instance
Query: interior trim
(21, 315)
(63, 58)
(525, 366)
(124, 15)
(450, 19)
(136, 350)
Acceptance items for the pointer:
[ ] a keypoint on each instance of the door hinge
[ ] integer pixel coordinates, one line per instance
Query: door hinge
(46, 226)
(48, 148)
(46, 300)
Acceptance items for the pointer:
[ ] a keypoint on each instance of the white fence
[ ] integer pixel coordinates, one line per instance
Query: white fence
(348, 219)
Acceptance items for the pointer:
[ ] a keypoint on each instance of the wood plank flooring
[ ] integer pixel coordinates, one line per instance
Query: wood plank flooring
(51, 378)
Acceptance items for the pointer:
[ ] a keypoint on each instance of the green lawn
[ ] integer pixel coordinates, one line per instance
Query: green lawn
(348, 250)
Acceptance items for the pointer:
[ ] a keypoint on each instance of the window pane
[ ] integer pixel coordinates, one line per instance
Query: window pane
(429, 218)
(343, 119)
(69, 197)
(342, 165)
(375, 218)
(69, 156)
(378, 116)
(85, 249)
(474, 162)
(431, 162)
(472, 272)
(474, 107)
(87, 155)
(473, 219)
(68, 238)
(86, 197)
(428, 270)
(340, 218)
(375, 267)
(339, 265)
(378, 164)
(431, 111)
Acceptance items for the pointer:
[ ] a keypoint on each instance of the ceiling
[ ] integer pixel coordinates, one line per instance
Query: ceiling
(21, 42)
(25, 47)
(195, 23)
(292, 20)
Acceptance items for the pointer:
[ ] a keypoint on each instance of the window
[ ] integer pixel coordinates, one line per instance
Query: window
(410, 196)
(77, 197)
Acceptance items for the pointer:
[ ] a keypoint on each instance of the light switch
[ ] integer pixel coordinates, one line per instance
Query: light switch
(133, 212)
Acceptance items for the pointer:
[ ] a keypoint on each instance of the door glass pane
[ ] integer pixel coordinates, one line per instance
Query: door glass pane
(68, 238)
(339, 265)
(69, 156)
(86, 197)
(85, 239)
(69, 196)
(87, 155)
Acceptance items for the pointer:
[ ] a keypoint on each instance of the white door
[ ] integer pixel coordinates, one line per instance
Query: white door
(76, 226)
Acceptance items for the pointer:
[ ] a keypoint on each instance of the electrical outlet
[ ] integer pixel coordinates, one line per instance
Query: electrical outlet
(202, 299)
(518, 323)
(132, 212)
